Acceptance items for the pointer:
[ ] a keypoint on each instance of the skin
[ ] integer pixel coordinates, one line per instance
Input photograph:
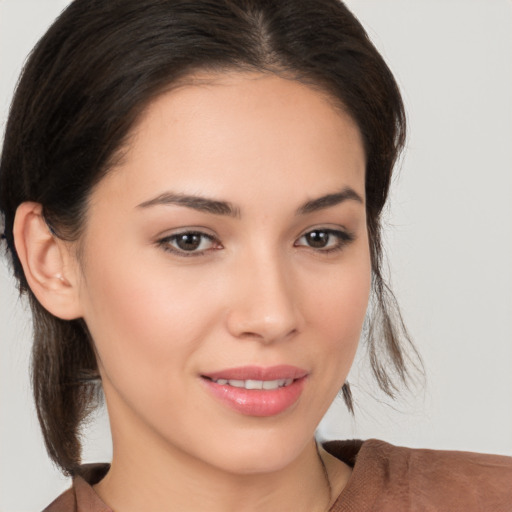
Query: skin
(255, 293)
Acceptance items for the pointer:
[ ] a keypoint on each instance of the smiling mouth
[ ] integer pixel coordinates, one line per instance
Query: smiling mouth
(257, 391)
(249, 384)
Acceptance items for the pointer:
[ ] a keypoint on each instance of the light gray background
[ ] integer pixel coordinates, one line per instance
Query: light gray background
(449, 242)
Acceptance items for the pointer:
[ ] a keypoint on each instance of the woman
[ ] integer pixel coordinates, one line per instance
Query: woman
(192, 196)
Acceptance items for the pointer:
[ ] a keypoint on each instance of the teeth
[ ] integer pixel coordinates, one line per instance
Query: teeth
(237, 383)
(255, 384)
(270, 384)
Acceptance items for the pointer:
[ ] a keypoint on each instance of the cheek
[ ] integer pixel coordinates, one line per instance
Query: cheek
(337, 309)
(339, 303)
(143, 322)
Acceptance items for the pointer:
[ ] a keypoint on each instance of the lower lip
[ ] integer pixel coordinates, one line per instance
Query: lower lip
(256, 402)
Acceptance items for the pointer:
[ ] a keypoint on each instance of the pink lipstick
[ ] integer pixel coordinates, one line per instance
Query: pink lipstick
(257, 391)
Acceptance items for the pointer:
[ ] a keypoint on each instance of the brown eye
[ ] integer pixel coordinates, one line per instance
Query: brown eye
(317, 239)
(325, 240)
(189, 243)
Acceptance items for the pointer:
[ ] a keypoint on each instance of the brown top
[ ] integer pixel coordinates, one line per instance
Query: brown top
(385, 478)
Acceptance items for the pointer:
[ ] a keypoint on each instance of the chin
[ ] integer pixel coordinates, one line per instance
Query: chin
(260, 453)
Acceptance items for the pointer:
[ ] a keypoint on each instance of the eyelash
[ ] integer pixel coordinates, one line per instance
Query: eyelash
(166, 242)
(343, 239)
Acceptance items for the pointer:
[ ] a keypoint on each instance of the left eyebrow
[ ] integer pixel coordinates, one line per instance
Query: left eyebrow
(330, 200)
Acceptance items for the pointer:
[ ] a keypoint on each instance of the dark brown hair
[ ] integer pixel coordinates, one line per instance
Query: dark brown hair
(85, 84)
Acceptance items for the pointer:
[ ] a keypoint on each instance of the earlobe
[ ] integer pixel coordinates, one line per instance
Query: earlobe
(47, 263)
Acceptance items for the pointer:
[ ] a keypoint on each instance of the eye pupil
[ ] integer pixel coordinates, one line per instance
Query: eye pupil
(188, 241)
(317, 239)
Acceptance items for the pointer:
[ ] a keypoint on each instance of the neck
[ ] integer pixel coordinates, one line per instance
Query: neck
(150, 473)
(141, 481)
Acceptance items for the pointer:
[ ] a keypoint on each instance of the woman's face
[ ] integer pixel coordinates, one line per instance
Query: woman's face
(226, 271)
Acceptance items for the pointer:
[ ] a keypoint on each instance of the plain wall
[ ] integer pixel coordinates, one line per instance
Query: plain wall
(449, 243)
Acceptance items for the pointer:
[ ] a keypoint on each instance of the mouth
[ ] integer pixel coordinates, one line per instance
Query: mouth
(257, 391)
(254, 384)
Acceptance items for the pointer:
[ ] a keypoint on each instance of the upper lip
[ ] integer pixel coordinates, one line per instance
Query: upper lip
(258, 373)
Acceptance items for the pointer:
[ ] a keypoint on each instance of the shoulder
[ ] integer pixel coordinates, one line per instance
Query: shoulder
(388, 477)
(66, 502)
(81, 497)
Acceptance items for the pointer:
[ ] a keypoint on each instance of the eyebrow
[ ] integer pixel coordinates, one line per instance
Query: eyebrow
(218, 207)
(203, 204)
(329, 200)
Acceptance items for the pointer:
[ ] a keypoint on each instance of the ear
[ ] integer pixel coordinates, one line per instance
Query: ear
(49, 266)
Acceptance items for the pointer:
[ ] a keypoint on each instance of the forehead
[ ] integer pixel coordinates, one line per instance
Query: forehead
(236, 130)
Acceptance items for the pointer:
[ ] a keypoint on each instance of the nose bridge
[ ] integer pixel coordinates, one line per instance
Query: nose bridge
(265, 304)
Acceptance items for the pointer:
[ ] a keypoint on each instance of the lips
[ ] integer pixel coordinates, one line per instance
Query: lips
(254, 384)
(257, 391)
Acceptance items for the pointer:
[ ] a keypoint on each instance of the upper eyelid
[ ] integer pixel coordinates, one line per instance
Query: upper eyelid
(332, 231)
(344, 238)
(190, 232)
(207, 233)
(165, 242)
(172, 236)
(181, 231)
(329, 229)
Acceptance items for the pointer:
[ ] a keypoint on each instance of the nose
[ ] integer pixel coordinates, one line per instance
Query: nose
(265, 302)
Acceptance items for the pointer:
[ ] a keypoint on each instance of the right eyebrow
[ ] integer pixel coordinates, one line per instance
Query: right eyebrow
(202, 204)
